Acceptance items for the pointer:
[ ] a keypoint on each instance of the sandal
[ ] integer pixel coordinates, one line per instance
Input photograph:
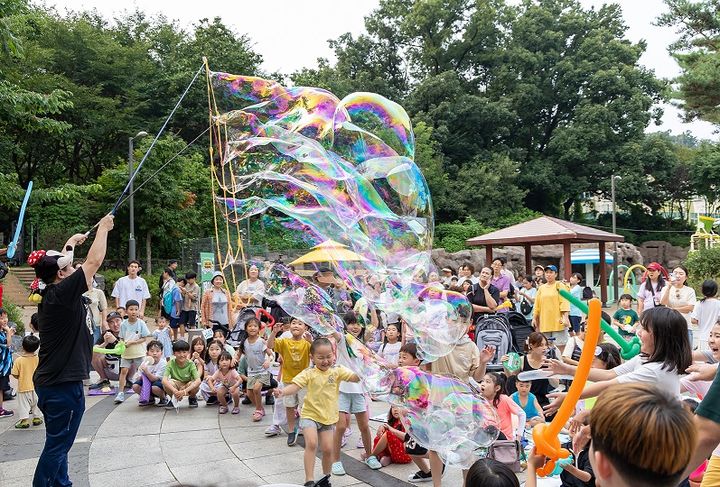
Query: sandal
(235, 410)
(37, 421)
(258, 415)
(23, 424)
(222, 410)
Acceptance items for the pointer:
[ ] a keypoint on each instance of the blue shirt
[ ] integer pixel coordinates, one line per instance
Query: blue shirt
(529, 408)
(577, 292)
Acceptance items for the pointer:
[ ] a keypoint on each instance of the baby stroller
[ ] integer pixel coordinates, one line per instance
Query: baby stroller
(238, 334)
(494, 330)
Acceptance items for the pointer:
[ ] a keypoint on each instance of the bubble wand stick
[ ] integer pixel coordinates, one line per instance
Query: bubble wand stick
(545, 436)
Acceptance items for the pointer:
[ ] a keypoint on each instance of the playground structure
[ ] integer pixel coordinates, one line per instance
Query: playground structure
(628, 288)
(705, 236)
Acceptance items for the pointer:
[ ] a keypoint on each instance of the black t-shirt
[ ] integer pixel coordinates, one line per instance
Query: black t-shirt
(477, 296)
(109, 346)
(541, 387)
(66, 329)
(582, 463)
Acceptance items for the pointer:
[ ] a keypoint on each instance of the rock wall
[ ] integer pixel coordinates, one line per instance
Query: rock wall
(628, 254)
(660, 251)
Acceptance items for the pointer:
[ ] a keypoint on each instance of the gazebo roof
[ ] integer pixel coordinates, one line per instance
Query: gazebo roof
(545, 230)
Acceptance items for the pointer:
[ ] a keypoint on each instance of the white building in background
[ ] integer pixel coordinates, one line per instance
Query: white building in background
(698, 206)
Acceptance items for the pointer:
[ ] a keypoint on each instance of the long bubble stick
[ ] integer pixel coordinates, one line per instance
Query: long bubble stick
(545, 435)
(12, 247)
(627, 349)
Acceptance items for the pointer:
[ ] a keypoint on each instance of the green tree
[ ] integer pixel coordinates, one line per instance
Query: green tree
(697, 51)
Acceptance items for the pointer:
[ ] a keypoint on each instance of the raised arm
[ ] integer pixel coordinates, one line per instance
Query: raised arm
(96, 254)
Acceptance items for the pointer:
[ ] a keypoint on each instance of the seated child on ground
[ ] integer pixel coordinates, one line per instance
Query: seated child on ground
(181, 377)
(152, 370)
(388, 446)
(528, 402)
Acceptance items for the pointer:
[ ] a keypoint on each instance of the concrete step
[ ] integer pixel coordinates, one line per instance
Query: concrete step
(26, 275)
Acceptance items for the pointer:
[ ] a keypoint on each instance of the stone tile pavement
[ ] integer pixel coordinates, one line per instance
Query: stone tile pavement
(125, 445)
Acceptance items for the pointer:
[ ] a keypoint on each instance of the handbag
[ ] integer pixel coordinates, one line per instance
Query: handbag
(525, 307)
(506, 452)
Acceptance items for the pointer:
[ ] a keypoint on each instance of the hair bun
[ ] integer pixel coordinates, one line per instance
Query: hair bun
(35, 257)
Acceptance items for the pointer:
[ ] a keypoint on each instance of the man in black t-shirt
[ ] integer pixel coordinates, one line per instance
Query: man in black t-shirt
(66, 329)
(485, 297)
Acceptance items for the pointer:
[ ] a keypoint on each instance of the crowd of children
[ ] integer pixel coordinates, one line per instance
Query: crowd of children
(318, 391)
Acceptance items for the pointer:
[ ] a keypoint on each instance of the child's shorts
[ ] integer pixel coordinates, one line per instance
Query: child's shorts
(413, 448)
(27, 404)
(352, 402)
(311, 423)
(126, 363)
(263, 378)
(4, 382)
(189, 318)
(155, 383)
(178, 385)
(174, 323)
(575, 323)
(293, 400)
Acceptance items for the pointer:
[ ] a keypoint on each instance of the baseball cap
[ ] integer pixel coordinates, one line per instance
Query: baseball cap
(551, 268)
(538, 266)
(654, 266)
(113, 315)
(446, 269)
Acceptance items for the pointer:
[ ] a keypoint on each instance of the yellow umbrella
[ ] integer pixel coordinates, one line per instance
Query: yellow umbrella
(329, 251)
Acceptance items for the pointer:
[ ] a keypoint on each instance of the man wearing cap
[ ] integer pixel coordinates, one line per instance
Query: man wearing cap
(551, 315)
(66, 329)
(107, 365)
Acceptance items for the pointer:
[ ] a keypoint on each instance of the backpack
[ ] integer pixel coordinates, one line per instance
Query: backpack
(494, 330)
(520, 330)
(168, 300)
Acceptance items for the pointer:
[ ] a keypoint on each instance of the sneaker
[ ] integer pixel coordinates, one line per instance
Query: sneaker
(273, 430)
(211, 400)
(359, 443)
(5, 413)
(292, 438)
(338, 469)
(164, 402)
(420, 476)
(120, 397)
(169, 404)
(193, 402)
(309, 483)
(23, 424)
(99, 385)
(142, 403)
(269, 399)
(37, 421)
(373, 462)
(246, 400)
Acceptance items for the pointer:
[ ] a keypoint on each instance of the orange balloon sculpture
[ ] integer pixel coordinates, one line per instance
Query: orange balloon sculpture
(545, 436)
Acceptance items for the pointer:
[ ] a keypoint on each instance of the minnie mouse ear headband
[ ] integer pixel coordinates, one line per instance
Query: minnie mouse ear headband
(48, 263)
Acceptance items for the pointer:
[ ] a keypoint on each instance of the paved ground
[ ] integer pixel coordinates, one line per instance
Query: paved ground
(125, 445)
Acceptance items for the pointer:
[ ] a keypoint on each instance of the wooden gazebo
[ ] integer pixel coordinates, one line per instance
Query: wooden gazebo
(547, 230)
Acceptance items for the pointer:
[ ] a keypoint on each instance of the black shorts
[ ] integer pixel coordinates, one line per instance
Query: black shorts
(4, 382)
(188, 318)
(413, 448)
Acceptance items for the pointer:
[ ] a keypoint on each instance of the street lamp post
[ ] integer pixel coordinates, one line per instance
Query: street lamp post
(615, 249)
(131, 169)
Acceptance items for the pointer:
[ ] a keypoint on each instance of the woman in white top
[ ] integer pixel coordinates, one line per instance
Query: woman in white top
(651, 287)
(250, 292)
(680, 297)
(664, 355)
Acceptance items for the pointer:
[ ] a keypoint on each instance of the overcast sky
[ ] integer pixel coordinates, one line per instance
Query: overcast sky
(291, 34)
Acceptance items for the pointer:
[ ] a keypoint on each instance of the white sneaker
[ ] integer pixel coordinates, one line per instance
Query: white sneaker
(120, 397)
(273, 430)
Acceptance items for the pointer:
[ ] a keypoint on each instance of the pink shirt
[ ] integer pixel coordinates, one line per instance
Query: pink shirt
(506, 408)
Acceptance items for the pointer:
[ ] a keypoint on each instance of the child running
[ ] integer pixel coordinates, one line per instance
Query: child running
(226, 380)
(319, 411)
(258, 362)
(295, 355)
(352, 399)
(23, 370)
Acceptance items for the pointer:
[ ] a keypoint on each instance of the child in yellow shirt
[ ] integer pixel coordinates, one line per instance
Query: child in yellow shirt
(320, 409)
(23, 370)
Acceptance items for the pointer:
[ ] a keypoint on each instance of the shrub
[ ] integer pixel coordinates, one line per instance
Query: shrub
(704, 264)
(15, 315)
(112, 275)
